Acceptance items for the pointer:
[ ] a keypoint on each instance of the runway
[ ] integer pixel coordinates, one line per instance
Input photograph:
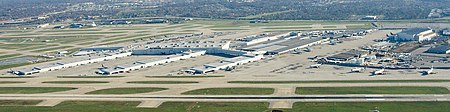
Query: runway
(229, 98)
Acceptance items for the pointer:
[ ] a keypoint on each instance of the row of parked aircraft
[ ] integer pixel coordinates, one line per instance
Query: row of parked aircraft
(384, 72)
(377, 72)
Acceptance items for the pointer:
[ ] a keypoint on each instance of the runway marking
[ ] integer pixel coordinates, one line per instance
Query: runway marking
(150, 104)
(375, 99)
(374, 95)
(49, 103)
(280, 104)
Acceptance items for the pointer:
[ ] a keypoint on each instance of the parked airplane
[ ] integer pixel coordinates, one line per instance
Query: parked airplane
(428, 72)
(357, 70)
(307, 50)
(379, 72)
(13, 72)
(315, 66)
(103, 67)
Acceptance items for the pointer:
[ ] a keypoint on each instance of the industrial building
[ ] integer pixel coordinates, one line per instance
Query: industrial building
(369, 18)
(127, 67)
(352, 56)
(380, 47)
(446, 32)
(69, 63)
(441, 49)
(157, 21)
(255, 39)
(253, 49)
(414, 34)
(119, 48)
(227, 64)
(175, 48)
(284, 45)
(169, 51)
(76, 25)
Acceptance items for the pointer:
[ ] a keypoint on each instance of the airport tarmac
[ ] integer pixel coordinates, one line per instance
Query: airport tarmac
(295, 67)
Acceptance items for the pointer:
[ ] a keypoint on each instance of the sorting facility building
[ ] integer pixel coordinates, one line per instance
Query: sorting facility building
(69, 63)
(127, 67)
(226, 64)
(441, 49)
(284, 45)
(414, 34)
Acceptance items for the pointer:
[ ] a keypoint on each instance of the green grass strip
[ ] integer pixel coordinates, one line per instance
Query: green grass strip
(163, 82)
(126, 90)
(371, 90)
(75, 82)
(231, 91)
(183, 76)
(32, 90)
(19, 102)
(340, 81)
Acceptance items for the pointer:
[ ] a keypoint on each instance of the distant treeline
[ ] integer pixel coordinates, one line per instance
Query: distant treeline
(227, 9)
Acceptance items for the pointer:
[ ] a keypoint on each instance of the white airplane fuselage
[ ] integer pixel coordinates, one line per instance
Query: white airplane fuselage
(379, 72)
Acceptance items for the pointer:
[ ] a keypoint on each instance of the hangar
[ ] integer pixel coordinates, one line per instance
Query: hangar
(441, 49)
(414, 34)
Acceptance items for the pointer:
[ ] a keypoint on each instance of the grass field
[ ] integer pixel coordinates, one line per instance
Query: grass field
(36, 47)
(17, 46)
(96, 106)
(32, 90)
(10, 82)
(238, 23)
(204, 76)
(71, 30)
(228, 29)
(111, 106)
(13, 65)
(87, 33)
(165, 31)
(9, 56)
(13, 77)
(266, 14)
(76, 82)
(329, 26)
(51, 49)
(371, 90)
(231, 91)
(289, 28)
(366, 106)
(357, 26)
(126, 90)
(87, 43)
(340, 81)
(18, 102)
(163, 82)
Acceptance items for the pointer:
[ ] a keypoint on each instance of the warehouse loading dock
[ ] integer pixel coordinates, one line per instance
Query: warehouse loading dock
(127, 67)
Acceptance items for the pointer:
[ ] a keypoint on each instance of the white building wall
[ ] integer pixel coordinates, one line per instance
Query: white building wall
(139, 65)
(427, 35)
(265, 39)
(304, 46)
(68, 65)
